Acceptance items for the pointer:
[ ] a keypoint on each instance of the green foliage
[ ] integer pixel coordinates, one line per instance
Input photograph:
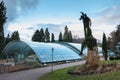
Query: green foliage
(2, 13)
(47, 35)
(70, 37)
(67, 37)
(39, 36)
(52, 38)
(8, 39)
(60, 37)
(15, 35)
(91, 42)
(2, 22)
(104, 46)
(36, 36)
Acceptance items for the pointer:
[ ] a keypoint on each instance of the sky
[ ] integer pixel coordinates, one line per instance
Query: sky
(27, 16)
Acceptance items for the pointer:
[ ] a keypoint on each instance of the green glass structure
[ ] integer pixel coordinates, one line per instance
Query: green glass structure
(40, 51)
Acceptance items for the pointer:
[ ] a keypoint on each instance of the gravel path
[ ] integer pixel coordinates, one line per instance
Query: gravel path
(34, 74)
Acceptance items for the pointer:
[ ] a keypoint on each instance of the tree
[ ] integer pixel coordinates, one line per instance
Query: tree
(8, 39)
(52, 38)
(114, 38)
(60, 37)
(112, 41)
(39, 36)
(15, 35)
(35, 36)
(42, 35)
(47, 35)
(104, 46)
(2, 22)
(70, 39)
(66, 36)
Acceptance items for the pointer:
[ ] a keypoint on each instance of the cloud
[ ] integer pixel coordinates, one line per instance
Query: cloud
(27, 30)
(110, 15)
(106, 21)
(15, 8)
(52, 27)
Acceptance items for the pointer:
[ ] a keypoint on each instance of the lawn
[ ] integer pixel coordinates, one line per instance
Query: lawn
(62, 75)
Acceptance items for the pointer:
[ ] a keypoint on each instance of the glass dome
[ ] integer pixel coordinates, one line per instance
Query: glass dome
(43, 52)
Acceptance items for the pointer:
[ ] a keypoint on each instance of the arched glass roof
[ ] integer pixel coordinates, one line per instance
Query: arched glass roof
(78, 46)
(42, 50)
(60, 52)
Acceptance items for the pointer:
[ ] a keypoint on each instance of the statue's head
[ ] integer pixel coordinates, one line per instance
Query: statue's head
(82, 16)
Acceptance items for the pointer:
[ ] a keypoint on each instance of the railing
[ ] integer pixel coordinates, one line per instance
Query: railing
(6, 67)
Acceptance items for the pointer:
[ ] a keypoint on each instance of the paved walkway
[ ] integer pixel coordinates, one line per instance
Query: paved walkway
(34, 74)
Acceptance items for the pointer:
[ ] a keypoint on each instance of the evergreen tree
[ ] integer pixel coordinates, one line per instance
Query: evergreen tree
(60, 37)
(15, 35)
(70, 39)
(35, 36)
(42, 35)
(39, 36)
(104, 46)
(2, 22)
(52, 38)
(66, 35)
(8, 39)
(47, 35)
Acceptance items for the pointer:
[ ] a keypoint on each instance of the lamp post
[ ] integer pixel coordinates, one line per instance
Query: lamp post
(52, 60)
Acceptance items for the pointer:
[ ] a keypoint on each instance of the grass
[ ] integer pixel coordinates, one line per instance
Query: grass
(62, 75)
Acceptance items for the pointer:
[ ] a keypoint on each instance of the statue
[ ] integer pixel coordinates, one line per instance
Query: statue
(87, 31)
(90, 42)
(86, 22)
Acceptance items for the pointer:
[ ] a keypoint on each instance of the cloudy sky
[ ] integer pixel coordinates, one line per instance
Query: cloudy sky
(28, 15)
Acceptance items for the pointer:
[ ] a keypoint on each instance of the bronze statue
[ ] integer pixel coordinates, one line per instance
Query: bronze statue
(90, 42)
(86, 22)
